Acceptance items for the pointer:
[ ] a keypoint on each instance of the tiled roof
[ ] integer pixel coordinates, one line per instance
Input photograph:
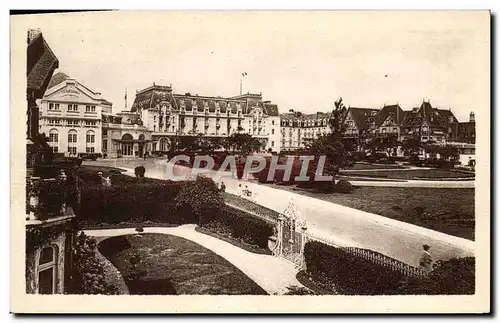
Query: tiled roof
(446, 114)
(57, 78)
(149, 99)
(362, 116)
(394, 111)
(41, 64)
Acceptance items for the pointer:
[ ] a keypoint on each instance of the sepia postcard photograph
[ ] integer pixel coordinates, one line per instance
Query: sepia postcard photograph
(250, 162)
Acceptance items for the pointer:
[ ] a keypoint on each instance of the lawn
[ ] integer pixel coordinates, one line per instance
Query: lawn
(362, 166)
(171, 265)
(412, 174)
(448, 210)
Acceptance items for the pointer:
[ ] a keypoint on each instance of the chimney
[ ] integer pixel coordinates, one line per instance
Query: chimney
(33, 33)
(472, 117)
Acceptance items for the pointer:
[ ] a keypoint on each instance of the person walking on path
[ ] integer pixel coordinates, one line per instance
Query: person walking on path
(426, 259)
(222, 187)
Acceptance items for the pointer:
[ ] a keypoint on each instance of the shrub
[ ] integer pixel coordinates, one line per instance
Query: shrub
(140, 171)
(451, 277)
(350, 273)
(130, 201)
(200, 199)
(243, 226)
(343, 186)
(87, 272)
(139, 229)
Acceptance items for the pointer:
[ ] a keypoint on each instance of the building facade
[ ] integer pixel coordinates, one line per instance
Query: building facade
(169, 115)
(124, 135)
(427, 123)
(71, 117)
(298, 128)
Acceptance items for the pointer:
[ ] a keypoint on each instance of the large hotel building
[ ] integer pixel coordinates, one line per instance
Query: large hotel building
(169, 115)
(78, 120)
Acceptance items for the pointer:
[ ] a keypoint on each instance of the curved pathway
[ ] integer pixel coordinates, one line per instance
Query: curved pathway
(271, 273)
(400, 240)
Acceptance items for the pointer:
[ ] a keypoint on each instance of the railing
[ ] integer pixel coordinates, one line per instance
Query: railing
(385, 261)
(371, 256)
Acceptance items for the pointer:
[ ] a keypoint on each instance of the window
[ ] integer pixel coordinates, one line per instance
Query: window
(90, 123)
(72, 122)
(272, 132)
(272, 122)
(272, 143)
(105, 145)
(90, 137)
(53, 136)
(72, 150)
(90, 108)
(54, 106)
(73, 107)
(55, 150)
(47, 270)
(90, 150)
(54, 122)
(72, 136)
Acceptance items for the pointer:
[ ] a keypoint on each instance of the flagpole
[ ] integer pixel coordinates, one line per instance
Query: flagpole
(241, 84)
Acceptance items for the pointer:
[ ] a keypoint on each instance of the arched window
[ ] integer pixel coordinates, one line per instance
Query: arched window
(54, 139)
(127, 145)
(72, 141)
(141, 137)
(90, 142)
(47, 270)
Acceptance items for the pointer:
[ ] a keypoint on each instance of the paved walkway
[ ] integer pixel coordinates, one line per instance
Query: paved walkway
(416, 183)
(271, 273)
(400, 240)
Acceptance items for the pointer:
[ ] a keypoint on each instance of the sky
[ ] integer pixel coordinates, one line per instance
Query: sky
(299, 60)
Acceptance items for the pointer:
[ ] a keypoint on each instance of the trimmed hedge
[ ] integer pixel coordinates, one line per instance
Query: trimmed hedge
(352, 275)
(244, 226)
(145, 201)
(343, 186)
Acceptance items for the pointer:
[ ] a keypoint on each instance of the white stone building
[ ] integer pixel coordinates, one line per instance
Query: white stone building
(71, 116)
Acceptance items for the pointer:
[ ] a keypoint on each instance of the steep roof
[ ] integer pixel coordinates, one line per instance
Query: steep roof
(446, 114)
(150, 97)
(394, 111)
(362, 116)
(40, 65)
(57, 78)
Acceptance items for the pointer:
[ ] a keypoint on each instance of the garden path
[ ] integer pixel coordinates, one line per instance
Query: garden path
(400, 240)
(271, 273)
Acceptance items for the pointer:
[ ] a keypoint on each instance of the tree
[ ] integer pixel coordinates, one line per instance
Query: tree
(200, 199)
(332, 145)
(243, 143)
(412, 145)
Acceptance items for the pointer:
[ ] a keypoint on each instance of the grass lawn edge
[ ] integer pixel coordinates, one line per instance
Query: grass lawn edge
(126, 226)
(235, 243)
(316, 287)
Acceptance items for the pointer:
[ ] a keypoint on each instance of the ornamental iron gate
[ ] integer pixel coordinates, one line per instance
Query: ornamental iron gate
(291, 236)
